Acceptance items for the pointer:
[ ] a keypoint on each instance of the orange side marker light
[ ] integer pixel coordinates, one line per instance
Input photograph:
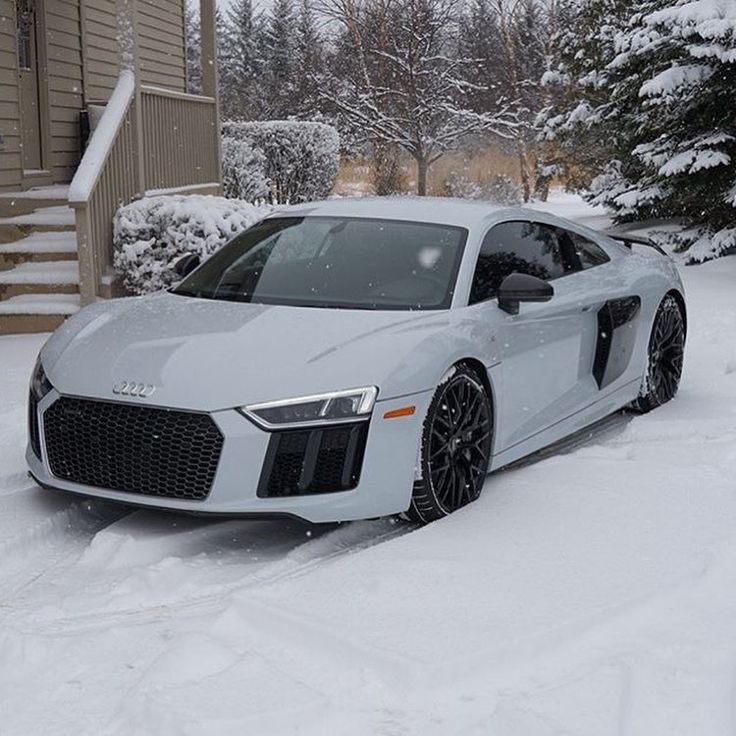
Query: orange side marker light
(405, 411)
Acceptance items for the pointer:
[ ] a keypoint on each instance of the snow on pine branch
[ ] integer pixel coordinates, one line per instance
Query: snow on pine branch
(675, 80)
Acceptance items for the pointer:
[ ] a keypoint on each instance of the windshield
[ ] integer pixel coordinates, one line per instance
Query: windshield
(334, 262)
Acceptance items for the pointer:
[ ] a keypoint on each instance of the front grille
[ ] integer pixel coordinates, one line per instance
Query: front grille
(136, 449)
(34, 436)
(307, 461)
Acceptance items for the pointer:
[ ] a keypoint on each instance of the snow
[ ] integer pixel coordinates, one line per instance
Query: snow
(694, 161)
(45, 272)
(587, 593)
(59, 215)
(40, 304)
(102, 139)
(49, 242)
(672, 81)
(57, 191)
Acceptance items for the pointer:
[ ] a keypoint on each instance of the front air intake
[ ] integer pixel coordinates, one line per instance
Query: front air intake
(134, 449)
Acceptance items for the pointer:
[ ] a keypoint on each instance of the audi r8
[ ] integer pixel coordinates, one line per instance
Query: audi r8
(353, 359)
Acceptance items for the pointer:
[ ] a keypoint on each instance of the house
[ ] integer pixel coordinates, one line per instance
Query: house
(94, 112)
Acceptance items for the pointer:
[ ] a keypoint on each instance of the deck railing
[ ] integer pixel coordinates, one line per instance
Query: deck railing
(107, 177)
(148, 139)
(177, 129)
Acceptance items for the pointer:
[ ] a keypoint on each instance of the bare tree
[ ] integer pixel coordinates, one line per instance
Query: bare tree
(408, 85)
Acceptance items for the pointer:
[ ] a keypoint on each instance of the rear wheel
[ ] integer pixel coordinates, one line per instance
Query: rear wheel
(456, 447)
(666, 353)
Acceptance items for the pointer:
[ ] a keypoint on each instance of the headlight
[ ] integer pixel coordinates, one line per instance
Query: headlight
(307, 411)
(40, 385)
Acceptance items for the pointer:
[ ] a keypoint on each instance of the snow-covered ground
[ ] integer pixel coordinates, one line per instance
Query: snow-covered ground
(586, 594)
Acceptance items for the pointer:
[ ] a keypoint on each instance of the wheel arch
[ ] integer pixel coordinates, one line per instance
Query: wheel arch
(680, 299)
(480, 370)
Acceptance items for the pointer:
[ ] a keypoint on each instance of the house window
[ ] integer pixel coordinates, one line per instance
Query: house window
(24, 11)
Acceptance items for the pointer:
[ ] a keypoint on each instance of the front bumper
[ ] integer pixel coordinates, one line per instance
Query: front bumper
(385, 485)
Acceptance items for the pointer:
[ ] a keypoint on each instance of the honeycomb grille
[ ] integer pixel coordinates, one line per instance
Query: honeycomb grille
(136, 449)
(33, 434)
(310, 461)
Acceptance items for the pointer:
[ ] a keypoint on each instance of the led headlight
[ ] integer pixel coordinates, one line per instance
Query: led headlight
(307, 411)
(40, 385)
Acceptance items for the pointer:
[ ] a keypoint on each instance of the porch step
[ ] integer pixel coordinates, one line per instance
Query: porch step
(22, 203)
(36, 313)
(39, 272)
(53, 246)
(44, 219)
(49, 277)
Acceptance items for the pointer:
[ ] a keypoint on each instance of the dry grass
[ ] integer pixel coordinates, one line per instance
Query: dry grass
(354, 177)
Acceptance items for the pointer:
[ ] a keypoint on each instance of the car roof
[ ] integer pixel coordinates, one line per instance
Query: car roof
(438, 210)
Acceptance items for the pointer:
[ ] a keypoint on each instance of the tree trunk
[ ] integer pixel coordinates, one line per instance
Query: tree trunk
(422, 171)
(524, 171)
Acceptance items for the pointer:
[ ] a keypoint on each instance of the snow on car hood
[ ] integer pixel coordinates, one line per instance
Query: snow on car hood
(210, 355)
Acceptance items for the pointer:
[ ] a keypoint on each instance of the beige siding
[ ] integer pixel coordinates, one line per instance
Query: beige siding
(101, 67)
(66, 98)
(161, 41)
(10, 159)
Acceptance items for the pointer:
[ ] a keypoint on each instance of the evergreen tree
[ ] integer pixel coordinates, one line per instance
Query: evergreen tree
(576, 88)
(674, 80)
(653, 107)
(309, 61)
(280, 77)
(193, 50)
(241, 64)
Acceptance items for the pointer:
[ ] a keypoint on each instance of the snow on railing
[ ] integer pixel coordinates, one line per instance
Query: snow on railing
(102, 140)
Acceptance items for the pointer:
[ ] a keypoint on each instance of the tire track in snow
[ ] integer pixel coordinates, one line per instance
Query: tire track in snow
(347, 539)
(37, 551)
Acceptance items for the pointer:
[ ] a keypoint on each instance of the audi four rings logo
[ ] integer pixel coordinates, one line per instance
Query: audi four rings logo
(131, 388)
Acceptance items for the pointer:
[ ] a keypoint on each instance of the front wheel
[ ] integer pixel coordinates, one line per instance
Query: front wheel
(456, 447)
(666, 354)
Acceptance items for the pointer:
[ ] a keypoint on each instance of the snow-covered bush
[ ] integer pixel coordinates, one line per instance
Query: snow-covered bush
(243, 171)
(500, 189)
(301, 158)
(151, 233)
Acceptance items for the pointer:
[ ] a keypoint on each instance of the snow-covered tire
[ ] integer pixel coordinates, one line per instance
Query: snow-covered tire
(666, 353)
(456, 447)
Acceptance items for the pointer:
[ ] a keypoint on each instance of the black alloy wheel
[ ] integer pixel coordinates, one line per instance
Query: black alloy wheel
(456, 447)
(666, 354)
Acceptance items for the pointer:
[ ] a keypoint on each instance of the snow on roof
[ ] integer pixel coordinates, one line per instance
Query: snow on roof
(440, 210)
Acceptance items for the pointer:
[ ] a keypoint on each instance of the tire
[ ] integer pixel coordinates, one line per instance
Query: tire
(456, 447)
(666, 353)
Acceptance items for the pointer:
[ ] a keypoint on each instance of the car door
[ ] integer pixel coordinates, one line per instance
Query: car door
(545, 351)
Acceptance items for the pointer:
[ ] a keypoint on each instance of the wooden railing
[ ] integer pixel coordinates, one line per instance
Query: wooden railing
(107, 177)
(148, 139)
(178, 131)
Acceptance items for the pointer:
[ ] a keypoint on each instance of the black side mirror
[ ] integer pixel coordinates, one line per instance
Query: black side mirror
(521, 287)
(184, 265)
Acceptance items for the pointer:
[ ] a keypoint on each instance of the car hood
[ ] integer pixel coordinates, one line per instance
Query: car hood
(210, 355)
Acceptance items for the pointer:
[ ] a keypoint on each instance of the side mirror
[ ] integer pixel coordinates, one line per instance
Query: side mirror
(184, 265)
(521, 287)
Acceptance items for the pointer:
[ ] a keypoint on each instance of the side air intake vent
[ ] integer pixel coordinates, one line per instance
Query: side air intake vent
(307, 461)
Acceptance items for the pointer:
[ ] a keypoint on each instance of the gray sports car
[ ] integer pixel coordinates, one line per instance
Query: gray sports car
(356, 358)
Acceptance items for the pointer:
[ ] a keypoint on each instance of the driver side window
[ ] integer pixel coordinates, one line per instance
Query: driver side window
(518, 247)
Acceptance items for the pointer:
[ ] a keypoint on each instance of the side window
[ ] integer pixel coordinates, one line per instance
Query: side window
(521, 247)
(589, 253)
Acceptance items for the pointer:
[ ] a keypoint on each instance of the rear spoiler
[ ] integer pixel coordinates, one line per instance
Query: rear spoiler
(631, 240)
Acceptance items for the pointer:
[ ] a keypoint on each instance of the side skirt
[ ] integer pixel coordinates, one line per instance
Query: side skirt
(569, 425)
